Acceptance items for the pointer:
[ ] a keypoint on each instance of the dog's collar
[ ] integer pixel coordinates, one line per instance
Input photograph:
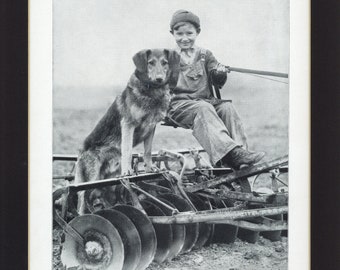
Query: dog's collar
(147, 83)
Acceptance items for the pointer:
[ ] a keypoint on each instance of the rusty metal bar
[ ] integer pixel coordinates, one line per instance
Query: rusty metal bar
(154, 187)
(135, 200)
(66, 177)
(283, 169)
(114, 181)
(273, 226)
(246, 172)
(241, 196)
(215, 171)
(173, 210)
(68, 229)
(155, 155)
(213, 215)
(60, 220)
(276, 198)
(281, 181)
(259, 72)
(64, 157)
(219, 171)
(177, 186)
(224, 210)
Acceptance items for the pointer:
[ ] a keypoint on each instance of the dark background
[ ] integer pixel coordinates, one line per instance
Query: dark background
(325, 222)
(13, 134)
(325, 162)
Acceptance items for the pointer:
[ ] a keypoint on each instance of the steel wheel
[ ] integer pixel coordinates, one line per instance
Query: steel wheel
(244, 234)
(205, 229)
(191, 230)
(224, 233)
(103, 246)
(163, 231)
(178, 231)
(146, 232)
(129, 235)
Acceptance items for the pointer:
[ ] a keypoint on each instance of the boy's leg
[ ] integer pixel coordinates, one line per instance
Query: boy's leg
(227, 112)
(238, 156)
(207, 126)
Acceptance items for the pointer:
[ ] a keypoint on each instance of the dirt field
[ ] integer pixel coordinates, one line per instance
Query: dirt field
(237, 256)
(263, 106)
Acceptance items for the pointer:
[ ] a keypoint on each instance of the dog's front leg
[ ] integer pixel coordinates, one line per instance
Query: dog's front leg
(148, 151)
(81, 194)
(126, 146)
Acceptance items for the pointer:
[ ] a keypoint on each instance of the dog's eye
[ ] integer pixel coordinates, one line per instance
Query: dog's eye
(164, 63)
(151, 63)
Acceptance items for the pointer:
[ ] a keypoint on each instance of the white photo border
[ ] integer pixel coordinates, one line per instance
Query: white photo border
(40, 135)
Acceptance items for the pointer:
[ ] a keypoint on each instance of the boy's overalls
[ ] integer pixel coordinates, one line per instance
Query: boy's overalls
(215, 122)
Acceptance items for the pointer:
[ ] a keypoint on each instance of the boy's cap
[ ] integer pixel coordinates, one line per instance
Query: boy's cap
(184, 16)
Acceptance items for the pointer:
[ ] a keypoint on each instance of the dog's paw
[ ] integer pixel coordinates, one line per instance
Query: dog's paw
(81, 211)
(126, 173)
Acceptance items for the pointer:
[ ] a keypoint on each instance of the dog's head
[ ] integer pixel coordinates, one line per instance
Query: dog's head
(156, 66)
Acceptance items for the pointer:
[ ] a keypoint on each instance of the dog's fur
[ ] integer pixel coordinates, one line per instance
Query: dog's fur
(130, 120)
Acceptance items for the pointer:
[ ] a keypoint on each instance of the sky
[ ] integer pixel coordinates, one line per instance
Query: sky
(94, 40)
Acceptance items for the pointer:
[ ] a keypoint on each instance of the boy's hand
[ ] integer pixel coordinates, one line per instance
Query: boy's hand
(222, 69)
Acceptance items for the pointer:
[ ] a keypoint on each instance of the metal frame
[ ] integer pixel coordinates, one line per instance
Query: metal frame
(234, 216)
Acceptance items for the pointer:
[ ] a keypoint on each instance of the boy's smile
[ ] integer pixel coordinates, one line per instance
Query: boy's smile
(185, 36)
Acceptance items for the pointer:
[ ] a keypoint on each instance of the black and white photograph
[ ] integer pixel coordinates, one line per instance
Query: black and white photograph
(170, 134)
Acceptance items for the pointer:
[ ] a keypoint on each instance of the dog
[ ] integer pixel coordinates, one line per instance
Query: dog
(130, 120)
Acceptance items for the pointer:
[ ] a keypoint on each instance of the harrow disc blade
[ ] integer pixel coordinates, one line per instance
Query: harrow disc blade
(178, 232)
(163, 231)
(205, 229)
(129, 235)
(224, 233)
(103, 246)
(229, 231)
(211, 236)
(191, 230)
(285, 232)
(249, 235)
(146, 233)
(273, 235)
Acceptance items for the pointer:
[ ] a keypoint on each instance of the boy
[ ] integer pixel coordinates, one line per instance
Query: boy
(215, 122)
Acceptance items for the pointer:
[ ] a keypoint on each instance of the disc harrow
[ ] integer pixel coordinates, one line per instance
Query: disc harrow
(133, 220)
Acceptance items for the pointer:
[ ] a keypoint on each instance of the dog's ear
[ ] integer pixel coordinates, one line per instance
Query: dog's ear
(174, 60)
(141, 60)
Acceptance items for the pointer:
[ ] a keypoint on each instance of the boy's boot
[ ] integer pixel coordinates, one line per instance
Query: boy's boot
(239, 156)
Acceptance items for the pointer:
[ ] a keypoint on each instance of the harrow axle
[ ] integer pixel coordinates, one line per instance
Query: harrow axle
(217, 215)
(157, 216)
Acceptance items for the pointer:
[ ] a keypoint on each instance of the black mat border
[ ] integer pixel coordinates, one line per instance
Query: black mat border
(325, 119)
(325, 161)
(14, 134)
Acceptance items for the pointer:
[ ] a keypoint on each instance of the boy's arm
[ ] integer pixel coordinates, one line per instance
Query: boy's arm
(217, 78)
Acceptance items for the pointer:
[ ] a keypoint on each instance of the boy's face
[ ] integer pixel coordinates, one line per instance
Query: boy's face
(185, 35)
